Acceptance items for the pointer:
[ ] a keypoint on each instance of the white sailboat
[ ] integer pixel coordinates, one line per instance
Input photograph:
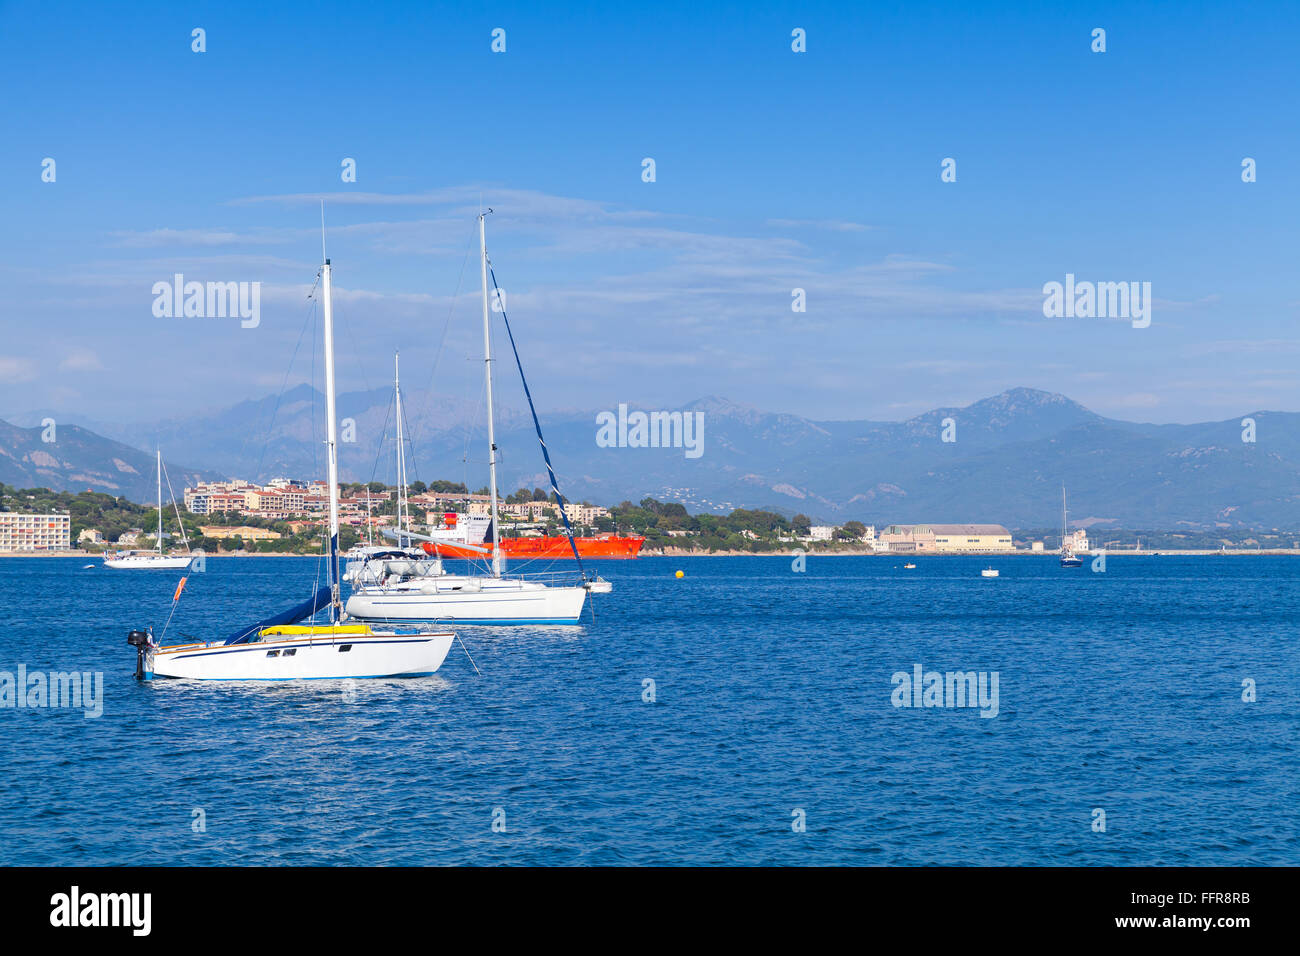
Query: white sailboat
(279, 647)
(432, 594)
(1068, 558)
(158, 559)
(369, 563)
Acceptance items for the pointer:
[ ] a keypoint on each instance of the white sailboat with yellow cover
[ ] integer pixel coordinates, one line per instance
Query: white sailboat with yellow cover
(280, 647)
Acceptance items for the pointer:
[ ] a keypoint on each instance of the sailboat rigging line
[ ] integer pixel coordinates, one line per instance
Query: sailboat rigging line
(546, 455)
(409, 442)
(469, 428)
(437, 356)
(356, 354)
(167, 623)
(184, 538)
(383, 435)
(471, 660)
(266, 437)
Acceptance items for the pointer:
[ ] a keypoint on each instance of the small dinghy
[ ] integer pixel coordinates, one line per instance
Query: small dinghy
(989, 573)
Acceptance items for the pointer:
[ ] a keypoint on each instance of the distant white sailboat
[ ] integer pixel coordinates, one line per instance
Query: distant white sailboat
(396, 592)
(279, 647)
(157, 560)
(1068, 557)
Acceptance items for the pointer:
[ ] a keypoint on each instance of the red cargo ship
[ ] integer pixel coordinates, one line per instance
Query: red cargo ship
(457, 530)
(548, 546)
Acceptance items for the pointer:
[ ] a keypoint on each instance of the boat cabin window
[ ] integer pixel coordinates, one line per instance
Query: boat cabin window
(272, 653)
(344, 647)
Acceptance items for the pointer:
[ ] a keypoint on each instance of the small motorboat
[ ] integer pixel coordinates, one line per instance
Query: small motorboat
(989, 573)
(909, 567)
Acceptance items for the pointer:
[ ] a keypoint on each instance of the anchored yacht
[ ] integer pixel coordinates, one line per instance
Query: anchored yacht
(281, 648)
(390, 587)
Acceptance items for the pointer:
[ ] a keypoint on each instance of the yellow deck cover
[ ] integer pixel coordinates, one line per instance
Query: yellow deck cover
(311, 630)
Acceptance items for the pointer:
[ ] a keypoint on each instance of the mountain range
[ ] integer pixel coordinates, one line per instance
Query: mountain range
(72, 458)
(1004, 460)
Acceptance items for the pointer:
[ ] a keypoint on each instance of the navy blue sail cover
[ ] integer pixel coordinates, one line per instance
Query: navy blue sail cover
(292, 616)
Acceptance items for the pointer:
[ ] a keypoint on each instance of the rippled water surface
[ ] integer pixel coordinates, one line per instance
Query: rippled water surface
(1119, 691)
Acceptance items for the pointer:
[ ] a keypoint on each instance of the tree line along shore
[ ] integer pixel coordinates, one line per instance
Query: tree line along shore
(667, 527)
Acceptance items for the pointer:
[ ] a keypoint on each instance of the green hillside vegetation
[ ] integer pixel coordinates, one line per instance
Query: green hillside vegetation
(742, 530)
(664, 525)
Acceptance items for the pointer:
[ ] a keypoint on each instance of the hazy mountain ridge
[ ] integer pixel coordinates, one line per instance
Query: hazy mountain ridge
(1011, 453)
(78, 459)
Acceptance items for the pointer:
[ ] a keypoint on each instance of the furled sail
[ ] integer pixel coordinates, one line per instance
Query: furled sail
(292, 616)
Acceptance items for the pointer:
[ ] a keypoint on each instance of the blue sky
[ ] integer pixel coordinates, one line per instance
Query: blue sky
(775, 170)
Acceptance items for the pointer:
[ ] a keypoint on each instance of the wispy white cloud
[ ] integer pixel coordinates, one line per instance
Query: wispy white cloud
(81, 360)
(153, 238)
(467, 201)
(15, 370)
(832, 225)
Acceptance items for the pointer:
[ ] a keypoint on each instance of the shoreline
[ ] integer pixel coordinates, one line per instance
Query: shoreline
(99, 555)
(906, 556)
(683, 553)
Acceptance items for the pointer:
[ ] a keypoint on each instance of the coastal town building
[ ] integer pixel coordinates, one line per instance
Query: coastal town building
(289, 499)
(35, 532)
(584, 513)
(242, 532)
(939, 538)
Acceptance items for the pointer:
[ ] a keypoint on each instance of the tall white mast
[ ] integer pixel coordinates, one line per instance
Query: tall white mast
(403, 522)
(487, 366)
(331, 443)
(160, 547)
(1064, 519)
(370, 538)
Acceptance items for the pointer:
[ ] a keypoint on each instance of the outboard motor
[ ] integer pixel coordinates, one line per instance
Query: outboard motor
(140, 640)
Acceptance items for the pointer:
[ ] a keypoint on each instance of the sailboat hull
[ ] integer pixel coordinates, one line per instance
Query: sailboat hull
(480, 601)
(387, 654)
(152, 562)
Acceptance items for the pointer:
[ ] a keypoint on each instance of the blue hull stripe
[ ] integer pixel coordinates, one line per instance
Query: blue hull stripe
(350, 677)
(473, 621)
(248, 648)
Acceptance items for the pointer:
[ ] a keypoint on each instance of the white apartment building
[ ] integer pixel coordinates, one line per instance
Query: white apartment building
(532, 510)
(585, 514)
(28, 532)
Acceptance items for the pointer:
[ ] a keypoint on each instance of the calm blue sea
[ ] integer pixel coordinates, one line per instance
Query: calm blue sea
(1119, 692)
